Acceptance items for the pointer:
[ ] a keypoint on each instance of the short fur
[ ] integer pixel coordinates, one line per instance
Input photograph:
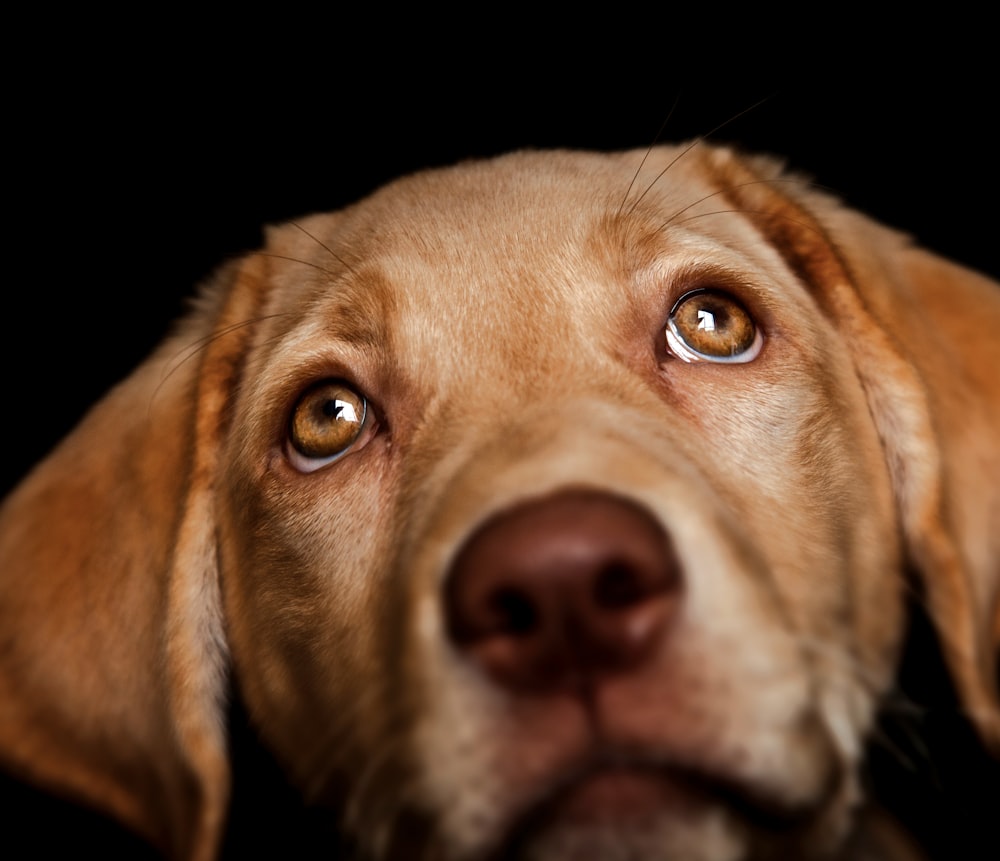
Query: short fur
(505, 321)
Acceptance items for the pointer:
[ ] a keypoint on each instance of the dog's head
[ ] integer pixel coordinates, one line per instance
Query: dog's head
(548, 507)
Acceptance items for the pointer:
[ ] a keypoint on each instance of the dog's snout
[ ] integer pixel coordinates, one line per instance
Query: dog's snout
(560, 591)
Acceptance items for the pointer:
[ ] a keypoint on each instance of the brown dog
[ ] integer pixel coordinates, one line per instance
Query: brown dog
(553, 507)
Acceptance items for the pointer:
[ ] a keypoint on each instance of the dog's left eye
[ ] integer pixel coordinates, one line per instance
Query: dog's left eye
(712, 326)
(328, 421)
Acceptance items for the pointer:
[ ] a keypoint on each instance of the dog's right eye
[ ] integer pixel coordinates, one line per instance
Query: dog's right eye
(328, 421)
(712, 326)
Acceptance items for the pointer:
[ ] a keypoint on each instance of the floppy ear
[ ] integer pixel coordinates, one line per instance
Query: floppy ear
(113, 660)
(923, 337)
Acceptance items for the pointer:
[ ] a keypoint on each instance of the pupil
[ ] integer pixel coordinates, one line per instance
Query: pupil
(720, 316)
(333, 408)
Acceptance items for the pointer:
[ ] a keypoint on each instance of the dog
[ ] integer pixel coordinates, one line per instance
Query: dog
(562, 505)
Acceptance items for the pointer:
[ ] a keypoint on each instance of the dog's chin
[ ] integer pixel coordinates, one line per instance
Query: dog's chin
(637, 813)
(627, 814)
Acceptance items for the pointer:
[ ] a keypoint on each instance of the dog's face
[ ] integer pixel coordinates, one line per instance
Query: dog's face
(556, 507)
(426, 610)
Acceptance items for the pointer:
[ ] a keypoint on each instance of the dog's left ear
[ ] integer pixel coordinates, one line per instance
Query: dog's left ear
(923, 336)
(113, 660)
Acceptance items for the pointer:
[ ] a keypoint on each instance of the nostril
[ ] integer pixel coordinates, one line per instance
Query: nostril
(619, 585)
(514, 611)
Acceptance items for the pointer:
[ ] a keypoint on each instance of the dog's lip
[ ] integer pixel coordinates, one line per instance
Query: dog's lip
(621, 794)
(625, 793)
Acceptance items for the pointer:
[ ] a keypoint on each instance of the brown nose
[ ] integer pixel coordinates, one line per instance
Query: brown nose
(561, 591)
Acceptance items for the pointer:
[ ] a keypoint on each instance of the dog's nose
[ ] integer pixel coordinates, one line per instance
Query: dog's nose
(561, 591)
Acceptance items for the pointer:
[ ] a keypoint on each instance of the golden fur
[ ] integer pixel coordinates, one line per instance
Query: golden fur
(505, 320)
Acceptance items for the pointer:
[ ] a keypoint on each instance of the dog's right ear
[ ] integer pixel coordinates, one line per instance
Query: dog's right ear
(113, 659)
(922, 334)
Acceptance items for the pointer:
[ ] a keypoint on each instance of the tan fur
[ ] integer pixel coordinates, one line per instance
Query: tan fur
(505, 320)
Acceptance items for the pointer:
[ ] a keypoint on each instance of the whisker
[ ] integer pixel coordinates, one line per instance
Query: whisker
(325, 247)
(837, 655)
(316, 266)
(741, 211)
(881, 738)
(696, 142)
(899, 732)
(359, 805)
(196, 347)
(649, 149)
(897, 729)
(185, 354)
(371, 810)
(727, 190)
(336, 738)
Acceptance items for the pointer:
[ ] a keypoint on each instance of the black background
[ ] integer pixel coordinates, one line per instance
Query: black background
(142, 154)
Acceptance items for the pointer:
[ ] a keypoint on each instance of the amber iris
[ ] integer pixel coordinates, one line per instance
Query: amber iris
(712, 325)
(327, 420)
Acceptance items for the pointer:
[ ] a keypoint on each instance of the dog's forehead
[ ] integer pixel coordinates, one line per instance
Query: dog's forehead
(522, 212)
(540, 249)
(488, 220)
